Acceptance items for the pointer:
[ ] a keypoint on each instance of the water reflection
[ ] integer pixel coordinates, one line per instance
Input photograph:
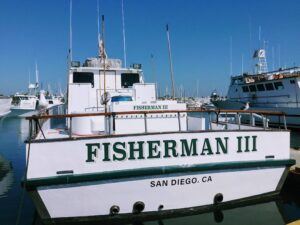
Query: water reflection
(23, 130)
(6, 176)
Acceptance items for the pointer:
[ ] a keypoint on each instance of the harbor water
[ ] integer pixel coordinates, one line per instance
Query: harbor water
(17, 208)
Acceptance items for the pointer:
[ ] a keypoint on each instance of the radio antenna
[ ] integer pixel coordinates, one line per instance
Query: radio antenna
(123, 29)
(170, 61)
(230, 56)
(154, 72)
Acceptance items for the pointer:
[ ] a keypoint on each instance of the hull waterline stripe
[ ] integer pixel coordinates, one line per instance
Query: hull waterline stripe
(152, 171)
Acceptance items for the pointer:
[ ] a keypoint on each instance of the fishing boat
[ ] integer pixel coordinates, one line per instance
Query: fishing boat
(124, 153)
(5, 103)
(277, 90)
(27, 103)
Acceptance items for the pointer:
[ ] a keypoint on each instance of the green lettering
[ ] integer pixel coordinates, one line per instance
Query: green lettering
(170, 145)
(188, 150)
(139, 149)
(106, 151)
(239, 144)
(221, 145)
(254, 143)
(152, 146)
(92, 151)
(206, 147)
(247, 143)
(120, 151)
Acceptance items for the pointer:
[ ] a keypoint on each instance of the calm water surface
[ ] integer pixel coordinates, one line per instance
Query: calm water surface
(15, 203)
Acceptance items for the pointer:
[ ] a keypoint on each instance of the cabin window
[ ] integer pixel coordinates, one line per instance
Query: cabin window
(252, 88)
(292, 81)
(245, 89)
(260, 87)
(83, 78)
(128, 79)
(278, 85)
(269, 86)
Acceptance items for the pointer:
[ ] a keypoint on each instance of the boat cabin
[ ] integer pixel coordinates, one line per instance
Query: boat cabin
(89, 81)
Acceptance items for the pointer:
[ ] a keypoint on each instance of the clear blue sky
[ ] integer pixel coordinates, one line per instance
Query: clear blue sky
(200, 37)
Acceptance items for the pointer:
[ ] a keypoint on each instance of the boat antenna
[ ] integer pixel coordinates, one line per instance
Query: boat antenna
(98, 30)
(230, 56)
(170, 61)
(36, 76)
(29, 76)
(154, 72)
(273, 58)
(242, 63)
(70, 37)
(250, 44)
(259, 34)
(279, 58)
(123, 29)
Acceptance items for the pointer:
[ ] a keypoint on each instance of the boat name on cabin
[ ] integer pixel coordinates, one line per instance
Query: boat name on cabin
(150, 107)
(157, 149)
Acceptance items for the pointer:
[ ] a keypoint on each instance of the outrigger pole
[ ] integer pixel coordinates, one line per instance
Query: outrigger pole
(170, 61)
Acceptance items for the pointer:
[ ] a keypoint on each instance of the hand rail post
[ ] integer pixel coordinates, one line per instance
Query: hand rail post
(114, 122)
(179, 124)
(209, 121)
(145, 122)
(284, 121)
(239, 120)
(70, 128)
(264, 122)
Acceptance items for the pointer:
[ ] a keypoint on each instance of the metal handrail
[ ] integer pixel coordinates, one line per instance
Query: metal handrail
(152, 112)
(113, 115)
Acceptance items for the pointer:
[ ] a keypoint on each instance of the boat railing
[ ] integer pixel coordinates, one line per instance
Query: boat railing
(220, 117)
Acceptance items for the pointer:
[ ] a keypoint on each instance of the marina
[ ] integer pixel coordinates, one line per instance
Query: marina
(128, 139)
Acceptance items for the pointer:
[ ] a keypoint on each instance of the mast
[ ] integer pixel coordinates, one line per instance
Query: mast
(170, 61)
(123, 29)
(36, 77)
(70, 37)
(103, 57)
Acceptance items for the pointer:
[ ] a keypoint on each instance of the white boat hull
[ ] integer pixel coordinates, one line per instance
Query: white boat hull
(172, 192)
(78, 179)
(5, 104)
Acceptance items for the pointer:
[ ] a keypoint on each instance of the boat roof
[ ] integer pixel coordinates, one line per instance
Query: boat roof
(288, 72)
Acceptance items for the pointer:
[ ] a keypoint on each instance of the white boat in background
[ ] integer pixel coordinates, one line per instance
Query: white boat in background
(127, 153)
(27, 103)
(34, 101)
(5, 104)
(269, 91)
(24, 103)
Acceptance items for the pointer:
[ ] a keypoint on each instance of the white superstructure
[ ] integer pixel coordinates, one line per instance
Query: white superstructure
(272, 91)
